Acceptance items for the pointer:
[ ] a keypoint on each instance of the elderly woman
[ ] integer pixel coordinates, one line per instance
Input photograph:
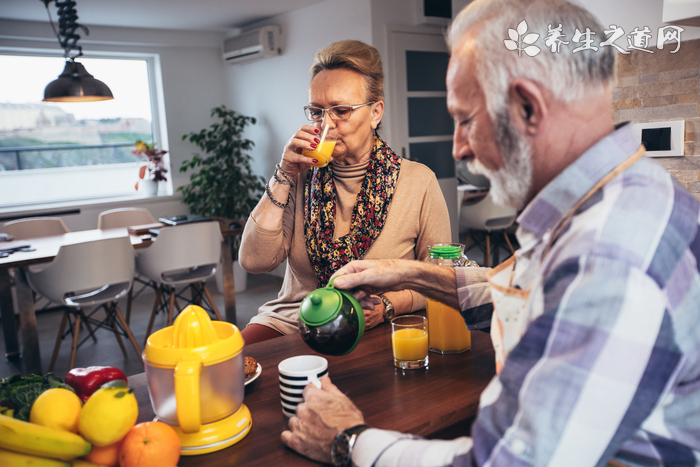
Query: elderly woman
(367, 203)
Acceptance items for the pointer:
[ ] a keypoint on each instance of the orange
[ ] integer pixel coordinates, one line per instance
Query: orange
(148, 444)
(105, 455)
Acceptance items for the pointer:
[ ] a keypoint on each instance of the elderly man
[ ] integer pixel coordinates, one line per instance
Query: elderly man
(595, 325)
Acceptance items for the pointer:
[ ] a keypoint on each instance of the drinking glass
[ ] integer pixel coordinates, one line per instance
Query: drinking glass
(409, 339)
(323, 152)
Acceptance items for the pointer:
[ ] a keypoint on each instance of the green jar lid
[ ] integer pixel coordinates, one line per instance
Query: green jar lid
(320, 306)
(445, 251)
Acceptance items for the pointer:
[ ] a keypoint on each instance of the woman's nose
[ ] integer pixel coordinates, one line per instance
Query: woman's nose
(328, 119)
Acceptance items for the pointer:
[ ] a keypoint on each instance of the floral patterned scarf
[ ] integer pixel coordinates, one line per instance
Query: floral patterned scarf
(368, 216)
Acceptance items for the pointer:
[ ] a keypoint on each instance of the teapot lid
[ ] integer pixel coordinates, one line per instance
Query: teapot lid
(321, 305)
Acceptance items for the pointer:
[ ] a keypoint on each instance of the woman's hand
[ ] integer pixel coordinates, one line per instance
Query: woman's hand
(373, 308)
(307, 138)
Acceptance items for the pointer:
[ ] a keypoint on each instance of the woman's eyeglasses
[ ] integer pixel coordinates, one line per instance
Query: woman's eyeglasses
(336, 112)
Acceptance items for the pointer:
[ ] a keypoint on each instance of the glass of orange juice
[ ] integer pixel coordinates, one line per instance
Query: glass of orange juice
(409, 339)
(323, 152)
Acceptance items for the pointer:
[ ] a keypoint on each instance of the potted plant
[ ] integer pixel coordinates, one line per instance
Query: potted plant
(153, 171)
(222, 184)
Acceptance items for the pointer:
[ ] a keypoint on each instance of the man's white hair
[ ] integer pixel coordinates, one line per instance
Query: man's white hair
(569, 76)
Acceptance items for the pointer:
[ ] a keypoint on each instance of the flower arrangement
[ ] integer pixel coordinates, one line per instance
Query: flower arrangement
(155, 169)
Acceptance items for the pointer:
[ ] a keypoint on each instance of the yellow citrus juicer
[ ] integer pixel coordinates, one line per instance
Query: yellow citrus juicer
(195, 371)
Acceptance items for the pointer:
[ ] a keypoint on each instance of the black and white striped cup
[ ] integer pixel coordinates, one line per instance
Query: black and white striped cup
(295, 374)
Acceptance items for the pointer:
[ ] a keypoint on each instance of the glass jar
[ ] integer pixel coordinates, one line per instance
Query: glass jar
(447, 331)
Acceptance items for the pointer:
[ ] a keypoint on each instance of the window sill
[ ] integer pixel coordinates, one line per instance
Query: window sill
(46, 209)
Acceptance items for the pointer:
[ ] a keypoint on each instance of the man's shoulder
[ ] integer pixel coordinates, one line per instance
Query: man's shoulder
(644, 218)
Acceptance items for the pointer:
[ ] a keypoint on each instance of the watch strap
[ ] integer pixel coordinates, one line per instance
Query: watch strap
(389, 310)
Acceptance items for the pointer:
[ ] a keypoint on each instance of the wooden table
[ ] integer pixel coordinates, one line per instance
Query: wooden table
(440, 401)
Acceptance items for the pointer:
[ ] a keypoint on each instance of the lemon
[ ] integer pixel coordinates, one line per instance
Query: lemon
(109, 414)
(57, 408)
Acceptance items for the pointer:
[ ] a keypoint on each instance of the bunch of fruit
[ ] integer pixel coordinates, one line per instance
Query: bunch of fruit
(61, 431)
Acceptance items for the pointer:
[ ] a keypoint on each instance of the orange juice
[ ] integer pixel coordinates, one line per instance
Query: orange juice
(410, 344)
(447, 330)
(322, 153)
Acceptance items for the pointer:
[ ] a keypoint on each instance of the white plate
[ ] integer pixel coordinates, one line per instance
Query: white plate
(254, 376)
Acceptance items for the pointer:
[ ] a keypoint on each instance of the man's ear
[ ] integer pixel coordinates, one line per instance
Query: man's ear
(528, 107)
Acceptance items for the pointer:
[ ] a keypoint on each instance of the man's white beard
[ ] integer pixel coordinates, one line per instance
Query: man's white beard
(511, 184)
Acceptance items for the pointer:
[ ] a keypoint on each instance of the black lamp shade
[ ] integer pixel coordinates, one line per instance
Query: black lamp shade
(75, 84)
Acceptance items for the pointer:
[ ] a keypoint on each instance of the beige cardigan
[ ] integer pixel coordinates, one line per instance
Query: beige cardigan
(417, 218)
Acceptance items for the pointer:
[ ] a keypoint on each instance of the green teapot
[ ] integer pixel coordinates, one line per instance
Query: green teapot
(331, 321)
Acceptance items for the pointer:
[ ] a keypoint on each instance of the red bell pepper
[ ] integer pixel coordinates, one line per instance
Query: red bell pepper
(85, 381)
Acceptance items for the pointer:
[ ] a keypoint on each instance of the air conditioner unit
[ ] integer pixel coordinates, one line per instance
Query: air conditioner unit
(253, 45)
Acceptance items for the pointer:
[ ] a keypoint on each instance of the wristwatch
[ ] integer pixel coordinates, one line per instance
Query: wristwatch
(388, 308)
(341, 450)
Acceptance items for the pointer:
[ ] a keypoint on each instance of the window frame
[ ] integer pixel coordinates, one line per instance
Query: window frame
(158, 121)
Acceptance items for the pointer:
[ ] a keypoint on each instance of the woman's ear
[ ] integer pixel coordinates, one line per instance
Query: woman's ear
(527, 106)
(377, 110)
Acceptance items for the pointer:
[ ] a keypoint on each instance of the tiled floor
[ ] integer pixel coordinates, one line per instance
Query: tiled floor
(106, 351)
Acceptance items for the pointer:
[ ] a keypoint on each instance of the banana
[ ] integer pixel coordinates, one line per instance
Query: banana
(37, 440)
(15, 459)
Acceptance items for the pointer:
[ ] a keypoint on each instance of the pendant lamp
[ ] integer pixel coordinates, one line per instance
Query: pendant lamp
(75, 84)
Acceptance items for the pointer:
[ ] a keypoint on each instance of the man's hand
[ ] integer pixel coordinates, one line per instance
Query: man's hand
(373, 276)
(392, 275)
(324, 413)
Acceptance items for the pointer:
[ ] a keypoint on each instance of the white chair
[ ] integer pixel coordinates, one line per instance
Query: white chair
(124, 217)
(486, 216)
(184, 254)
(35, 227)
(93, 273)
(127, 217)
(38, 227)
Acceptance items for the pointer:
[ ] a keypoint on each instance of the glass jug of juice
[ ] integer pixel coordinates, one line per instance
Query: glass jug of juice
(447, 331)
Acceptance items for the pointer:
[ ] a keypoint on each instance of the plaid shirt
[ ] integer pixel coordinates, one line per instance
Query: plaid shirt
(609, 365)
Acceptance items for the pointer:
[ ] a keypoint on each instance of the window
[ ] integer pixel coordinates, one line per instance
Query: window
(70, 151)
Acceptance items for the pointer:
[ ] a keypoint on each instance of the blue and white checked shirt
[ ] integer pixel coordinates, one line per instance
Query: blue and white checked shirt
(609, 366)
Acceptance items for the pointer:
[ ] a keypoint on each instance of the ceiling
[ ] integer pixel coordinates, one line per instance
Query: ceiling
(201, 15)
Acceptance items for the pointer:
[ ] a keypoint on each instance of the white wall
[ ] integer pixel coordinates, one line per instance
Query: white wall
(629, 14)
(192, 80)
(274, 90)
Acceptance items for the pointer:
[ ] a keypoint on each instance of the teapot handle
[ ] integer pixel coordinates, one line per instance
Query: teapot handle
(330, 282)
(187, 395)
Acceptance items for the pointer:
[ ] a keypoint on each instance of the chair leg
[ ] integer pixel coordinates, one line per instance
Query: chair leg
(59, 338)
(129, 297)
(211, 302)
(487, 256)
(510, 246)
(156, 305)
(110, 317)
(127, 330)
(74, 347)
(87, 325)
(171, 306)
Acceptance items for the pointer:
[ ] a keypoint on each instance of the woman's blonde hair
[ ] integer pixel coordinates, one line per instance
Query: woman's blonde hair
(356, 56)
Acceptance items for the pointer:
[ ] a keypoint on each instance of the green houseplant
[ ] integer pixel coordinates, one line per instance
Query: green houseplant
(222, 184)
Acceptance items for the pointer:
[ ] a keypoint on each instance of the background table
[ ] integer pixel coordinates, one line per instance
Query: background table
(21, 299)
(440, 401)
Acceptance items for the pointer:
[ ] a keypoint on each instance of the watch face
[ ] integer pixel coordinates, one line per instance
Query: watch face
(339, 450)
